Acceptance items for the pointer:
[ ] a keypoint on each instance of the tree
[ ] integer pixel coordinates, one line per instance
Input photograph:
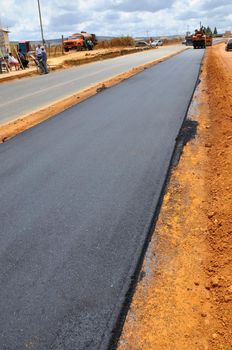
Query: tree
(208, 31)
(215, 32)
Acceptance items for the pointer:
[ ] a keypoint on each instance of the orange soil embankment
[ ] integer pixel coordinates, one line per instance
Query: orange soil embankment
(184, 300)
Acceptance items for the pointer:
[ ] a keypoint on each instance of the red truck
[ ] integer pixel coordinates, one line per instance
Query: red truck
(78, 41)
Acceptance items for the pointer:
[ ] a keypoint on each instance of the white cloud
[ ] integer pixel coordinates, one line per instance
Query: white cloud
(113, 17)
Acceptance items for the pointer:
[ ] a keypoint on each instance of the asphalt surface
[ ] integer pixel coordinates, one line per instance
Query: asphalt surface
(24, 96)
(78, 194)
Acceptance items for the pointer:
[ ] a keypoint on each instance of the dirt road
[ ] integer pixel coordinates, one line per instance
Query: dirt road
(184, 298)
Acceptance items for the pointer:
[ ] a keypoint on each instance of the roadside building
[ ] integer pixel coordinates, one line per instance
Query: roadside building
(4, 41)
(227, 34)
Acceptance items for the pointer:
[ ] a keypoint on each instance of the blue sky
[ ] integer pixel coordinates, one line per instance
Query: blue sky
(113, 17)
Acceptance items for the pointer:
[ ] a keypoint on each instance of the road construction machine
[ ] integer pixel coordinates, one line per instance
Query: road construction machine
(200, 39)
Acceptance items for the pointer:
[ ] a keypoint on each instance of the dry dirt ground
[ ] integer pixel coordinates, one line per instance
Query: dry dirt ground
(184, 298)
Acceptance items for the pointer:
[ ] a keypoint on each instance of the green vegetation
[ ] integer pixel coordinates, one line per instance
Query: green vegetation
(208, 31)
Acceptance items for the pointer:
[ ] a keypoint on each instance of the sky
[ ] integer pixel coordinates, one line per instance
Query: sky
(112, 17)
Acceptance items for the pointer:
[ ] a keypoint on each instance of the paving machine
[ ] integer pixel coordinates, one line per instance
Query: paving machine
(200, 39)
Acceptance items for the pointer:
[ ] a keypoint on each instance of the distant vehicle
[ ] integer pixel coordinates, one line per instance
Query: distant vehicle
(157, 43)
(154, 44)
(201, 40)
(142, 44)
(229, 45)
(188, 40)
(77, 41)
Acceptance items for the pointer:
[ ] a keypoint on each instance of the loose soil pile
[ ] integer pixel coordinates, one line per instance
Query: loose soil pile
(184, 300)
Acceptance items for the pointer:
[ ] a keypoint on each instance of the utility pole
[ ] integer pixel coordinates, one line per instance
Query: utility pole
(41, 24)
(147, 35)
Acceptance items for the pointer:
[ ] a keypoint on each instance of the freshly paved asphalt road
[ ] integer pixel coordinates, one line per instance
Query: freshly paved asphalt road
(23, 96)
(78, 193)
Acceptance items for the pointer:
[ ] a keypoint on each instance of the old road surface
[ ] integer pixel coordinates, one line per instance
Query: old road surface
(78, 194)
(24, 96)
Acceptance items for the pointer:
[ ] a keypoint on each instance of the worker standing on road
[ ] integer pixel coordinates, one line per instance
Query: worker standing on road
(38, 52)
(41, 58)
(44, 60)
(86, 44)
(90, 44)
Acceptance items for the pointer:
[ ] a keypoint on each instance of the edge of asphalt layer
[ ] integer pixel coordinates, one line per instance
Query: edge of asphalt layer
(121, 309)
(22, 123)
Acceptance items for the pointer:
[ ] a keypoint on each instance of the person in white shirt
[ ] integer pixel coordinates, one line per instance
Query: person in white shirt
(38, 51)
(13, 62)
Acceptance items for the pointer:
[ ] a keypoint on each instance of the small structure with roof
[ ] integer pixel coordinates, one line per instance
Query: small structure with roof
(4, 42)
(227, 34)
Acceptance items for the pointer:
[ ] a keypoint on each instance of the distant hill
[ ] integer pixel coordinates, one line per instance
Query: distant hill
(100, 38)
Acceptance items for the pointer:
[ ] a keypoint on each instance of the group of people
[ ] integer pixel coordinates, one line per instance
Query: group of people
(41, 57)
(88, 44)
(19, 62)
(22, 62)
